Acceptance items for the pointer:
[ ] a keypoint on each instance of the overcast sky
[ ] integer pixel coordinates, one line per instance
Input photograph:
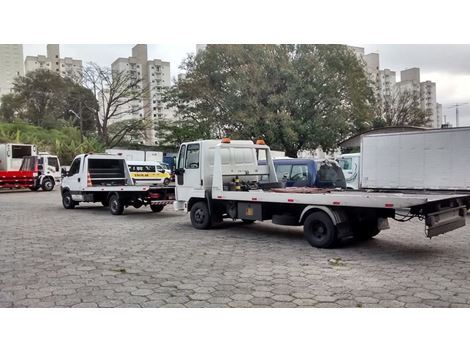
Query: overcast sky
(447, 65)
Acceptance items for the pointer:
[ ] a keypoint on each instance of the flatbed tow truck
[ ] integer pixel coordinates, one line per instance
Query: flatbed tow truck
(224, 179)
(106, 179)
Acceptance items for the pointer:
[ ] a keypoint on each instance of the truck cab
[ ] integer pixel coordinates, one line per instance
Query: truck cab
(350, 164)
(195, 166)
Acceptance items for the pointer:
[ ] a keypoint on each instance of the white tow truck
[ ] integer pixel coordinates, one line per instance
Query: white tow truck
(105, 178)
(223, 179)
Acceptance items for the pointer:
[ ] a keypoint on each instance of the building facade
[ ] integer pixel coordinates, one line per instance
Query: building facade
(155, 77)
(66, 67)
(11, 66)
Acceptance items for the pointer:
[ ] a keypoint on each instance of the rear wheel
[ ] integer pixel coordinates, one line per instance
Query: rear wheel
(47, 184)
(166, 181)
(200, 218)
(67, 200)
(157, 208)
(319, 230)
(116, 206)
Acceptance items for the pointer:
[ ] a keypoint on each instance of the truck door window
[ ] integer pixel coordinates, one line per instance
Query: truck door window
(192, 156)
(345, 164)
(53, 162)
(299, 173)
(283, 172)
(181, 157)
(75, 167)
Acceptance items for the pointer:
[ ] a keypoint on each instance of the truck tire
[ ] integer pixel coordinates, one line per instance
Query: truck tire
(166, 181)
(200, 218)
(47, 184)
(319, 230)
(156, 208)
(67, 200)
(116, 206)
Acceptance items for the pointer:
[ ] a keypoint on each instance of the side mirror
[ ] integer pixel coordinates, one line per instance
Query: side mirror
(64, 172)
(179, 171)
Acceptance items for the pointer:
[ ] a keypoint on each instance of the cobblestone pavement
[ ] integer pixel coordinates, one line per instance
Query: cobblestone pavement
(52, 257)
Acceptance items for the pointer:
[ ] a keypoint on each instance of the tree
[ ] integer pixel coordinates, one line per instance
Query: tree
(120, 95)
(402, 109)
(297, 97)
(44, 98)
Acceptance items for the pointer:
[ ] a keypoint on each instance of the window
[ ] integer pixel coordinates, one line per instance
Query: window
(192, 157)
(299, 174)
(53, 162)
(75, 167)
(345, 164)
(142, 168)
(181, 157)
(19, 151)
(283, 172)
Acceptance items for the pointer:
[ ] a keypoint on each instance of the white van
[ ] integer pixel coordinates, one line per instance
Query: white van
(350, 163)
(148, 173)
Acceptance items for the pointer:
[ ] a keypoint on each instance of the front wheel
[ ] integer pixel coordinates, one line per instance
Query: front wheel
(319, 230)
(67, 200)
(116, 206)
(200, 218)
(166, 181)
(47, 185)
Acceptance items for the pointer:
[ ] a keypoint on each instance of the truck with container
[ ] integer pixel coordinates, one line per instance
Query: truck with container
(106, 179)
(34, 171)
(223, 179)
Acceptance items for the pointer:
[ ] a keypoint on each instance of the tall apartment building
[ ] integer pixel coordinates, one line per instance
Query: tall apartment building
(410, 81)
(155, 76)
(371, 63)
(428, 102)
(387, 82)
(11, 66)
(66, 67)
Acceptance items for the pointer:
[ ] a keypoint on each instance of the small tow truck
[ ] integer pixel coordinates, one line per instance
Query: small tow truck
(106, 179)
(225, 179)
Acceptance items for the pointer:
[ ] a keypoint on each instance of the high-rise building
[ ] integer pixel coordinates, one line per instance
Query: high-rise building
(66, 67)
(428, 102)
(439, 115)
(11, 66)
(156, 77)
(387, 82)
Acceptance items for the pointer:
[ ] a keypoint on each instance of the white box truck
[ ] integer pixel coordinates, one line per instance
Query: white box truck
(137, 155)
(422, 160)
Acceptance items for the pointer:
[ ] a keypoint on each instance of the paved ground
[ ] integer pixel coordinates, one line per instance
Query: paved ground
(52, 257)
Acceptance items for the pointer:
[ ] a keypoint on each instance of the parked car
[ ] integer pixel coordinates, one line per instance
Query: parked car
(321, 173)
(148, 173)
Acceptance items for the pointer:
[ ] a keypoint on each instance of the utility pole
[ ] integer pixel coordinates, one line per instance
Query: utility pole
(79, 117)
(456, 106)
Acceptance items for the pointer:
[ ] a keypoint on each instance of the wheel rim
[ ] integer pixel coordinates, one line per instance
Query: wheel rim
(319, 231)
(48, 184)
(114, 205)
(67, 200)
(199, 216)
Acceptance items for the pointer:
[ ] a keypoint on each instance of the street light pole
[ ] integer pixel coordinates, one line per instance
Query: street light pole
(79, 117)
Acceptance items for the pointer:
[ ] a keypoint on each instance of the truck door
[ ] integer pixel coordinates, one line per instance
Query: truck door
(188, 170)
(73, 179)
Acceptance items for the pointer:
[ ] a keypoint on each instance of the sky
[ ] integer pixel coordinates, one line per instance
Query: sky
(448, 65)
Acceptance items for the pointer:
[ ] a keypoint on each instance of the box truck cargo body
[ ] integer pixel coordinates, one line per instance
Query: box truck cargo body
(424, 160)
(137, 155)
